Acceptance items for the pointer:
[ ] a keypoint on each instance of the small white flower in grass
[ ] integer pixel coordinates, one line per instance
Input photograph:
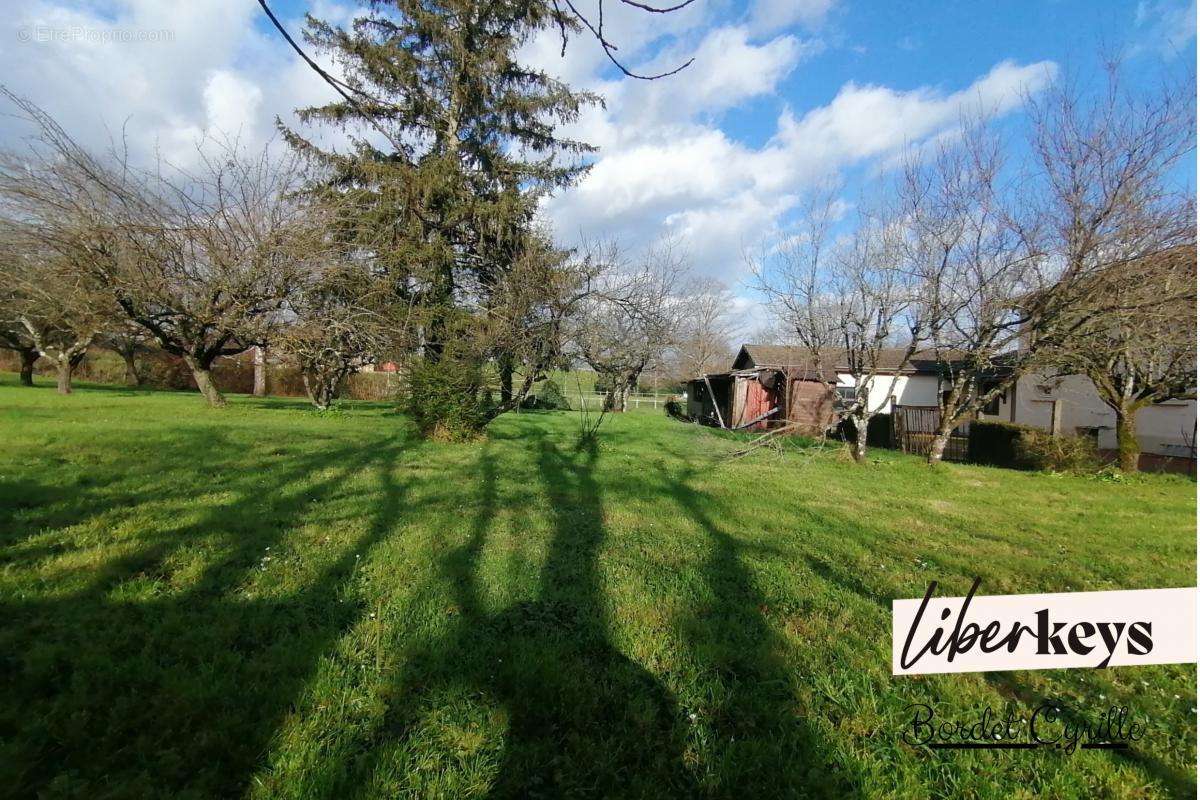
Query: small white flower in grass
(1145, 683)
(692, 716)
(1101, 697)
(1176, 697)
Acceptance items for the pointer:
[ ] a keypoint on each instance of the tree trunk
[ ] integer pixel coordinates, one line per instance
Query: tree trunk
(65, 369)
(1129, 450)
(28, 359)
(321, 387)
(946, 422)
(938, 446)
(860, 439)
(260, 372)
(204, 382)
(65, 363)
(132, 376)
(614, 395)
(441, 299)
(619, 395)
(313, 388)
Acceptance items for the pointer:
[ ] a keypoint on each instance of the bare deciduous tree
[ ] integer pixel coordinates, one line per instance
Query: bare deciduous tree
(13, 335)
(1137, 343)
(1121, 233)
(51, 296)
(209, 275)
(1103, 187)
(335, 329)
(632, 317)
(706, 330)
(973, 264)
(203, 259)
(509, 326)
(849, 305)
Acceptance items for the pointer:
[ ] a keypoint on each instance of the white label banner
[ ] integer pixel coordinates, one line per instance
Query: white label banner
(1043, 631)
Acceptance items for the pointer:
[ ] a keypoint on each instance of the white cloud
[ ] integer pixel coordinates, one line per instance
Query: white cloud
(232, 104)
(1169, 25)
(721, 196)
(866, 121)
(161, 75)
(769, 16)
(729, 70)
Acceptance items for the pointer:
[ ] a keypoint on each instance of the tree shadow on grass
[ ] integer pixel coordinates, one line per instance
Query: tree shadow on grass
(761, 743)
(582, 718)
(178, 694)
(1012, 686)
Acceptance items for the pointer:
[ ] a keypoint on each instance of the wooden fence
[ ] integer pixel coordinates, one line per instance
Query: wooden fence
(635, 402)
(913, 429)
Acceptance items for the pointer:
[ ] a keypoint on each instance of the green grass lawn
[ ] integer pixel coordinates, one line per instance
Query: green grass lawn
(270, 602)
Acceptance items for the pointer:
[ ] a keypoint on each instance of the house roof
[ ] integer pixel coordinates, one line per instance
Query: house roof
(799, 359)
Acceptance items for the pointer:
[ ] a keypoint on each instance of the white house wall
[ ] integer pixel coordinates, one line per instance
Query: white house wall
(1164, 429)
(910, 390)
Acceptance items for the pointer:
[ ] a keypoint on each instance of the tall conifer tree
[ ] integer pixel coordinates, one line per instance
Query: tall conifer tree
(453, 142)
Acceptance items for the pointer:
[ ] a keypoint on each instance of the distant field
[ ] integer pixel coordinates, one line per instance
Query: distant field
(270, 602)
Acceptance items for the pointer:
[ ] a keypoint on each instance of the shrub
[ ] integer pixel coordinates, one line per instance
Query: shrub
(1038, 449)
(550, 396)
(547, 396)
(445, 399)
(1005, 444)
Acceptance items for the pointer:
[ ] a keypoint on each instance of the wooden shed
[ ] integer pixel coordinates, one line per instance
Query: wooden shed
(761, 398)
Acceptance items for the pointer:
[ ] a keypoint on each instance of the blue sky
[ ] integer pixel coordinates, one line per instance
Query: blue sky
(783, 94)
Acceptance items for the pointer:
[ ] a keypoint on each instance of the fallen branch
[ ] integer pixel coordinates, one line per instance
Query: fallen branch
(774, 440)
(766, 439)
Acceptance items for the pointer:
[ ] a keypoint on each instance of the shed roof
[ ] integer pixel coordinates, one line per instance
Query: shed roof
(799, 359)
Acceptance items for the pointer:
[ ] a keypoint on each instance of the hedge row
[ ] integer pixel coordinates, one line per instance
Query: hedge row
(1002, 444)
(879, 430)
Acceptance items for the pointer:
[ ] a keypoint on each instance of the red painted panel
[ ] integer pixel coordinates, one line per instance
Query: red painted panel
(758, 402)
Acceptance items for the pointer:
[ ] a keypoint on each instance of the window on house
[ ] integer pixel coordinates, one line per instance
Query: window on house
(992, 406)
(845, 394)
